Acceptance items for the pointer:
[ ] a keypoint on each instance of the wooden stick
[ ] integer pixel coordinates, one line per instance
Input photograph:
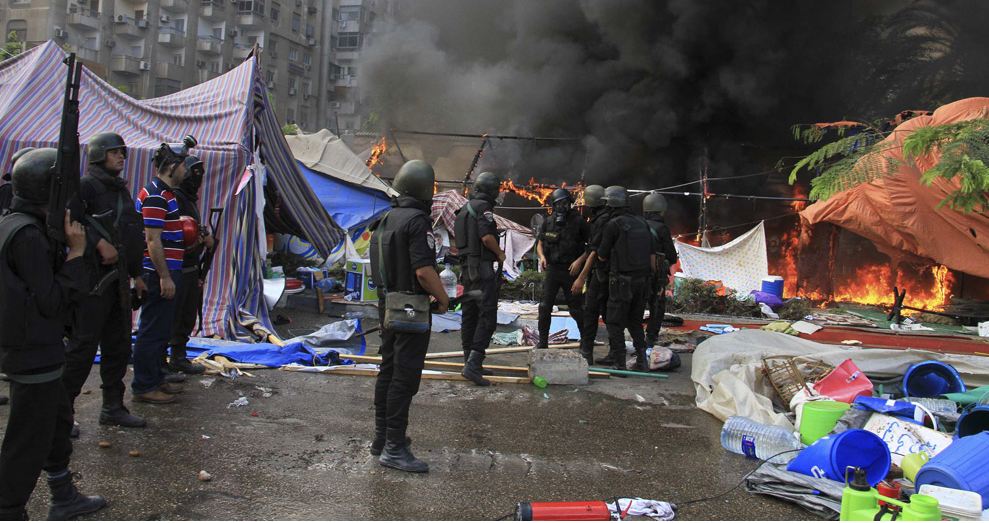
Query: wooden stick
(448, 376)
(451, 365)
(460, 354)
(631, 373)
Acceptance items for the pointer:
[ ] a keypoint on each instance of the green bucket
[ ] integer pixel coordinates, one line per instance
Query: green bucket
(817, 418)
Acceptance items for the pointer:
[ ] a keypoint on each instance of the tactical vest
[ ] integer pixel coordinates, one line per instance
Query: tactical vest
(561, 243)
(389, 247)
(629, 255)
(129, 224)
(466, 233)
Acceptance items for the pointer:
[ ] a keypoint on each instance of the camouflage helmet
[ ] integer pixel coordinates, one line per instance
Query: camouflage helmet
(416, 179)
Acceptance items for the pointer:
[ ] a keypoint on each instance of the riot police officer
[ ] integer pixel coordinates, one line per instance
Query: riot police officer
(403, 260)
(103, 318)
(594, 274)
(37, 283)
(7, 190)
(561, 249)
(628, 245)
(189, 290)
(654, 209)
(477, 242)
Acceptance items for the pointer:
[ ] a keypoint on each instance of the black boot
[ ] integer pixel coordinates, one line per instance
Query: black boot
(179, 362)
(484, 371)
(399, 455)
(67, 502)
(74, 431)
(473, 370)
(115, 413)
(618, 360)
(588, 356)
(606, 361)
(641, 360)
(13, 514)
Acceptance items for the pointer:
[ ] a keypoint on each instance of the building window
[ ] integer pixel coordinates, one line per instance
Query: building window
(307, 59)
(218, 33)
(177, 59)
(293, 55)
(350, 14)
(296, 22)
(290, 115)
(19, 27)
(349, 41)
(293, 83)
(179, 25)
(310, 31)
(246, 7)
(275, 9)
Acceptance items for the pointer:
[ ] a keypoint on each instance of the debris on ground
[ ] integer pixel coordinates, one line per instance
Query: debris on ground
(134, 453)
(207, 382)
(239, 402)
(103, 444)
(204, 476)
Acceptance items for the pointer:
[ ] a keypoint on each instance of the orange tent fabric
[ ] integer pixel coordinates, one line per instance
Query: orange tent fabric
(900, 215)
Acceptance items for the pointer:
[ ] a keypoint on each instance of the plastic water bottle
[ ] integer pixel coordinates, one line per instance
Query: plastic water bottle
(755, 440)
(935, 404)
(449, 280)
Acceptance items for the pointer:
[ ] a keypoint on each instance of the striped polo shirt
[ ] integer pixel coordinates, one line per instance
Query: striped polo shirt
(160, 209)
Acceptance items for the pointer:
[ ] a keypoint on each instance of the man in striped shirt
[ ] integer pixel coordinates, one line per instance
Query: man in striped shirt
(162, 268)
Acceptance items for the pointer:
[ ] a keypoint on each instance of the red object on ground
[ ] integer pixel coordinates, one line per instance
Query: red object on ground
(190, 231)
(563, 511)
(292, 284)
(890, 490)
(845, 383)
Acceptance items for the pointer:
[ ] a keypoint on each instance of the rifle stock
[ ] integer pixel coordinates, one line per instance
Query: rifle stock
(65, 178)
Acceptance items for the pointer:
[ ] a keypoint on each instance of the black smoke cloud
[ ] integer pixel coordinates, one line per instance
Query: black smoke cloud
(649, 87)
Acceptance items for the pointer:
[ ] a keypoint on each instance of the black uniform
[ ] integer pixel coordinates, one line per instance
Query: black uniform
(102, 318)
(628, 245)
(35, 301)
(596, 297)
(562, 245)
(666, 257)
(188, 291)
(480, 318)
(407, 245)
(6, 194)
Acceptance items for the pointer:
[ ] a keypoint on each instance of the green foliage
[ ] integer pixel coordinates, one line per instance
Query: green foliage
(290, 129)
(528, 286)
(12, 47)
(699, 297)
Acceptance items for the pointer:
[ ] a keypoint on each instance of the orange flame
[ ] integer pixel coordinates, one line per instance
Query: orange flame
(537, 192)
(376, 152)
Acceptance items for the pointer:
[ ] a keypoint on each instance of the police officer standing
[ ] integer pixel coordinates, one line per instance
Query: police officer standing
(403, 259)
(103, 317)
(7, 189)
(628, 245)
(654, 209)
(189, 290)
(36, 283)
(594, 274)
(477, 243)
(561, 250)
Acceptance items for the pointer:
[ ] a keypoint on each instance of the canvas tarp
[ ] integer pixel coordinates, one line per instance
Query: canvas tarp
(326, 153)
(728, 380)
(350, 205)
(740, 264)
(229, 115)
(900, 214)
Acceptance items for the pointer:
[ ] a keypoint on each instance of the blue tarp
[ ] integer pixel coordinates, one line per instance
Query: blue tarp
(349, 204)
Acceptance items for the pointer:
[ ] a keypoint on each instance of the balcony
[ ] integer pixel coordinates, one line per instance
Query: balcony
(86, 21)
(124, 64)
(249, 20)
(85, 53)
(171, 37)
(343, 56)
(213, 10)
(175, 6)
(297, 69)
(346, 81)
(127, 26)
(169, 70)
(209, 44)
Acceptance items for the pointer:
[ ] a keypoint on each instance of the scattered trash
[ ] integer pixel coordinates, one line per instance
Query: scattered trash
(513, 338)
(254, 414)
(768, 311)
(640, 399)
(961, 466)
(207, 382)
(845, 383)
(657, 510)
(134, 453)
(87, 392)
(755, 440)
(265, 391)
(831, 456)
(205, 436)
(905, 437)
(239, 402)
(103, 444)
(718, 328)
(540, 382)
(546, 396)
(204, 476)
(851, 342)
(804, 327)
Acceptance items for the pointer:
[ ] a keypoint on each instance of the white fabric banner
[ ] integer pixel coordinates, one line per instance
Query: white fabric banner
(740, 264)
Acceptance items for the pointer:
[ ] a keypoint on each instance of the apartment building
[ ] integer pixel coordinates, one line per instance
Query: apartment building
(150, 48)
(350, 30)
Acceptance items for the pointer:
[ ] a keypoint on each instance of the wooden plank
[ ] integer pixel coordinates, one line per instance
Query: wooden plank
(460, 354)
(447, 376)
(452, 365)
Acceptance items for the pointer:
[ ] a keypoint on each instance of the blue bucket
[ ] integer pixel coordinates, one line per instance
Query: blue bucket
(830, 456)
(931, 379)
(962, 465)
(973, 420)
(773, 285)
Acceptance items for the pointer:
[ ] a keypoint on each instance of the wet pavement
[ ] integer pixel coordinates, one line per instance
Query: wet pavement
(299, 449)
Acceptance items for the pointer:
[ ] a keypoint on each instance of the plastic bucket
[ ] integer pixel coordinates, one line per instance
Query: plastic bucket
(931, 379)
(773, 285)
(830, 456)
(961, 466)
(973, 421)
(817, 418)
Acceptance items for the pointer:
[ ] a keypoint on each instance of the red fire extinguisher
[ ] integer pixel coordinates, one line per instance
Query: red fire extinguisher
(563, 511)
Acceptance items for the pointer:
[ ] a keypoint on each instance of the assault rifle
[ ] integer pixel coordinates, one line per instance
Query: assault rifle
(65, 178)
(206, 263)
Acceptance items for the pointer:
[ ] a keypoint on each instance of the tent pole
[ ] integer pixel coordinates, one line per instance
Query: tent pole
(397, 146)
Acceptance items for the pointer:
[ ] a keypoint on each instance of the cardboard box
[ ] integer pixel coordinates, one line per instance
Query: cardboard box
(903, 437)
(358, 280)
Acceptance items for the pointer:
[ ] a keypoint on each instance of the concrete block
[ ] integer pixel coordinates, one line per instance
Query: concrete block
(558, 366)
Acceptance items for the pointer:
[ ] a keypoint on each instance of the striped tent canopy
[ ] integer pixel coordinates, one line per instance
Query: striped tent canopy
(239, 140)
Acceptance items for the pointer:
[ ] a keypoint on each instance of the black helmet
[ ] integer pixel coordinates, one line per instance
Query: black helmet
(488, 183)
(654, 203)
(99, 144)
(193, 164)
(13, 160)
(172, 153)
(561, 194)
(594, 196)
(415, 178)
(616, 197)
(195, 169)
(32, 175)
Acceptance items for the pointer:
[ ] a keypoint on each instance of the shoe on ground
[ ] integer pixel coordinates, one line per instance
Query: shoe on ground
(174, 377)
(171, 388)
(121, 417)
(67, 502)
(402, 459)
(155, 397)
(185, 366)
(607, 361)
(379, 444)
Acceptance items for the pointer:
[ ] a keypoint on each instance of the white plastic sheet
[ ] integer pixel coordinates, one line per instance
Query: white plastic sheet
(740, 264)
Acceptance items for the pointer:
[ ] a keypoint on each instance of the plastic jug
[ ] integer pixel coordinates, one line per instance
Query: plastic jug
(859, 502)
(449, 280)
